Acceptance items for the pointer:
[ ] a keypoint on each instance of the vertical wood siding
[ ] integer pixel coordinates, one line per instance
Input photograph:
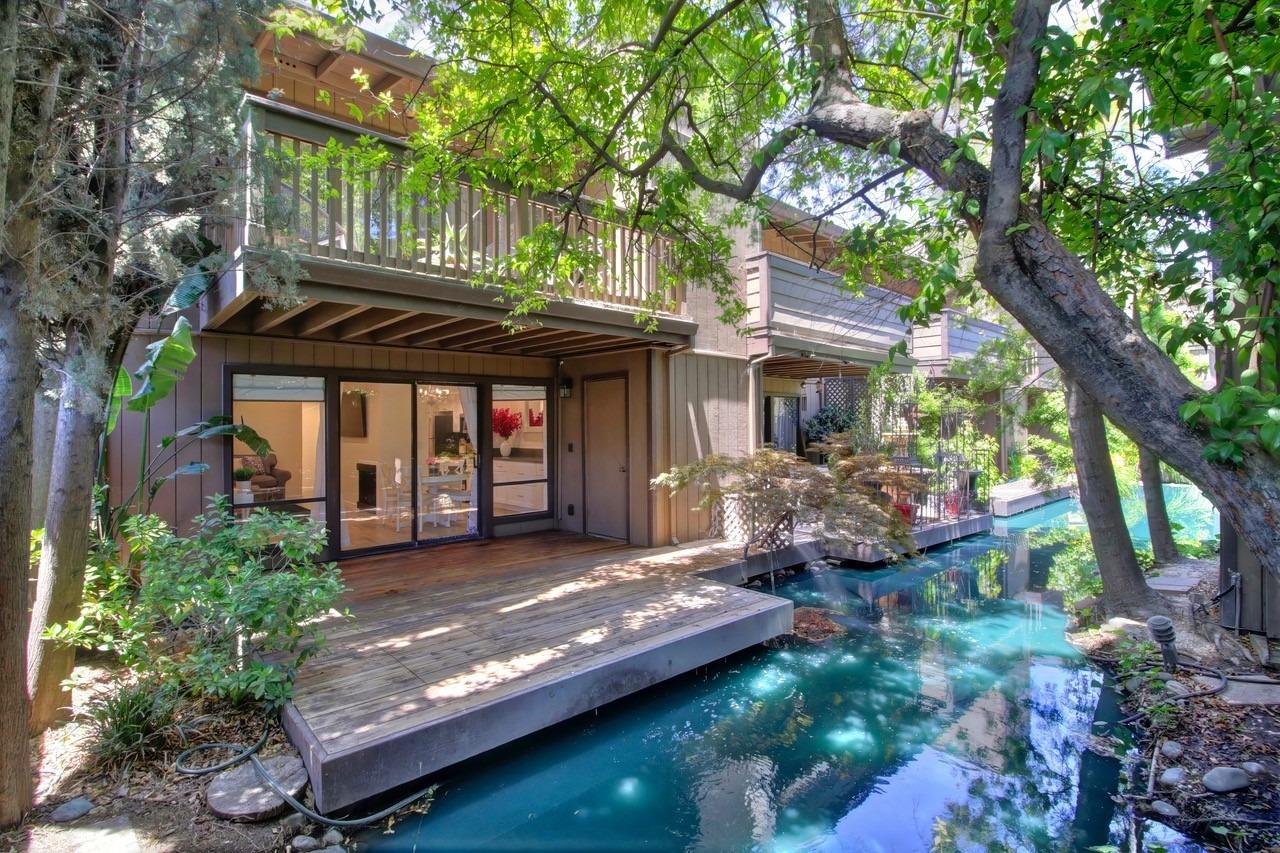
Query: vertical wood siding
(709, 413)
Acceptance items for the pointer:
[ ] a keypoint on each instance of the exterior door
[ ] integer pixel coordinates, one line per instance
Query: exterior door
(604, 446)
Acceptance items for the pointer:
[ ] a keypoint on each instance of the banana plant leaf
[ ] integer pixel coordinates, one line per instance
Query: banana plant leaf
(166, 364)
(121, 390)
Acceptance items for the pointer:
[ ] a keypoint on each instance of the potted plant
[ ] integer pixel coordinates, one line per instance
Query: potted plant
(505, 424)
(244, 491)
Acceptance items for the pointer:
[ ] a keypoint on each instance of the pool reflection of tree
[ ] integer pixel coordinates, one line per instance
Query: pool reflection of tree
(934, 662)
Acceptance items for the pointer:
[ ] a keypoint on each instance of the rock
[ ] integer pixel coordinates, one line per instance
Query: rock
(294, 820)
(332, 836)
(1177, 688)
(304, 842)
(1133, 684)
(1254, 768)
(238, 793)
(72, 810)
(1164, 809)
(1224, 780)
(1171, 749)
(1089, 602)
(1261, 648)
(1172, 776)
(334, 849)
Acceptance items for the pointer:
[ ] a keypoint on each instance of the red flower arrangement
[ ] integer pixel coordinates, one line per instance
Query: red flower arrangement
(535, 418)
(506, 422)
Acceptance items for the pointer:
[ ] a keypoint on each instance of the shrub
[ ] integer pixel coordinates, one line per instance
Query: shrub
(829, 420)
(228, 612)
(131, 721)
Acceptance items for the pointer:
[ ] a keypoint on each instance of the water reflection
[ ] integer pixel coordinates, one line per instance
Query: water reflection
(953, 717)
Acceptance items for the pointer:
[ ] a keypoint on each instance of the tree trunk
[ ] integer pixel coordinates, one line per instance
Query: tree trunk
(65, 546)
(1051, 293)
(17, 390)
(1124, 588)
(1162, 545)
(43, 431)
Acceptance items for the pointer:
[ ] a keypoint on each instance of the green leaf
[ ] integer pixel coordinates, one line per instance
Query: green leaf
(120, 390)
(190, 288)
(166, 364)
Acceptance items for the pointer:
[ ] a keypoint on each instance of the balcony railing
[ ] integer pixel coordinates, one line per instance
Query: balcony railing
(362, 214)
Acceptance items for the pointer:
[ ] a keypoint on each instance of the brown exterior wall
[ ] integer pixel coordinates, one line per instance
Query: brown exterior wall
(635, 367)
(710, 412)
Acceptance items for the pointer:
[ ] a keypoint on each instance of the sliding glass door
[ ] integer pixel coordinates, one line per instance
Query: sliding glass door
(447, 441)
(375, 464)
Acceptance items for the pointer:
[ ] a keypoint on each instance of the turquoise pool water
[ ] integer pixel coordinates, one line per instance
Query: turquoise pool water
(952, 716)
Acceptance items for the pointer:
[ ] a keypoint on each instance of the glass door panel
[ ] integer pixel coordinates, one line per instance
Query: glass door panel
(288, 411)
(447, 496)
(375, 434)
(519, 450)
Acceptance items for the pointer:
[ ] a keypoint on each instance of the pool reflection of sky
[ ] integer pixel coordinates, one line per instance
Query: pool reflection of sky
(951, 717)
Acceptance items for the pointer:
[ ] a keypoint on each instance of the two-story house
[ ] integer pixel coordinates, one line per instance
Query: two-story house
(402, 412)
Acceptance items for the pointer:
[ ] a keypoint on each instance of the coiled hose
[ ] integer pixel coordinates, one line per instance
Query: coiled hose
(250, 754)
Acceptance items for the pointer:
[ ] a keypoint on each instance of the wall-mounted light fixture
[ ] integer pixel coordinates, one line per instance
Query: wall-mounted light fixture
(566, 387)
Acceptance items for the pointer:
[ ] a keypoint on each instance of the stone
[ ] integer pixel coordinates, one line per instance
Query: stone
(1089, 602)
(1172, 776)
(304, 842)
(1171, 749)
(332, 836)
(334, 849)
(114, 835)
(1261, 648)
(1254, 768)
(72, 810)
(294, 820)
(239, 794)
(1224, 780)
(1164, 809)
(1177, 688)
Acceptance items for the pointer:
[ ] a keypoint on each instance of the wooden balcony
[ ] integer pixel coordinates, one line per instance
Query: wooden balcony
(950, 338)
(326, 207)
(807, 323)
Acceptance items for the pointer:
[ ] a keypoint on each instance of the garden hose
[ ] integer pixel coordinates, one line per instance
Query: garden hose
(1198, 694)
(243, 753)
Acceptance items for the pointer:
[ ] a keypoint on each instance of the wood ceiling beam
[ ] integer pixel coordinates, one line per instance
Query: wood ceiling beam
(323, 316)
(604, 348)
(496, 332)
(582, 342)
(324, 66)
(384, 85)
(370, 321)
(461, 324)
(525, 340)
(415, 326)
(267, 319)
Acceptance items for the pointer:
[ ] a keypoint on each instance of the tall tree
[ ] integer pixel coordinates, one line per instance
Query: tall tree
(148, 151)
(24, 158)
(830, 99)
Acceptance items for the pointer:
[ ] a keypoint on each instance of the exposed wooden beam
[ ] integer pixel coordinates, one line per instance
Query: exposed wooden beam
(324, 66)
(265, 39)
(462, 324)
(369, 322)
(384, 85)
(266, 320)
(584, 347)
(322, 317)
(524, 340)
(416, 325)
(480, 336)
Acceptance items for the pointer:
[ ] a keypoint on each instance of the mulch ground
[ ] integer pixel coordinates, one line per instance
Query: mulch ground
(166, 810)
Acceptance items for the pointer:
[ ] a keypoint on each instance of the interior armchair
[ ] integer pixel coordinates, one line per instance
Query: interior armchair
(267, 481)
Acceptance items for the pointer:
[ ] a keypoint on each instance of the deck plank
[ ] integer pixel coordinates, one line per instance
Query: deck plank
(462, 647)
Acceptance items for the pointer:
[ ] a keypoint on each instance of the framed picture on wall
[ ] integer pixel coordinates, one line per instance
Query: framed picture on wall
(353, 419)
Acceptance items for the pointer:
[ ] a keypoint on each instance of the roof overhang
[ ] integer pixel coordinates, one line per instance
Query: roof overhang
(797, 358)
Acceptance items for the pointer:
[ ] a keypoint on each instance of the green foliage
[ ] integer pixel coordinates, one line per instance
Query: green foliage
(131, 721)
(772, 491)
(229, 612)
(829, 419)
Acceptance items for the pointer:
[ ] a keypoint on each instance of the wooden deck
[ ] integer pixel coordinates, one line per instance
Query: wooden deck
(461, 648)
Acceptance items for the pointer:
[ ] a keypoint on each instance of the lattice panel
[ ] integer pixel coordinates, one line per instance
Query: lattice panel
(846, 393)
